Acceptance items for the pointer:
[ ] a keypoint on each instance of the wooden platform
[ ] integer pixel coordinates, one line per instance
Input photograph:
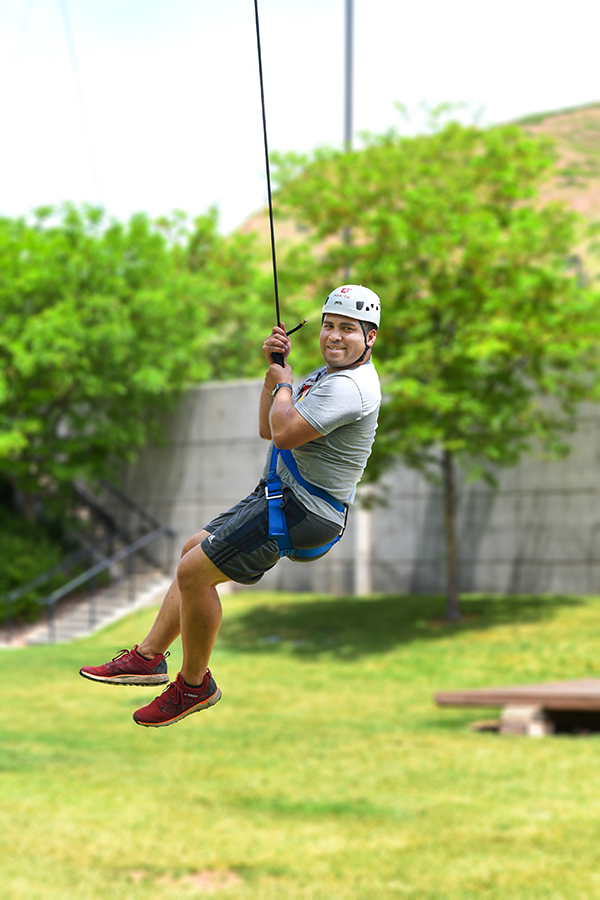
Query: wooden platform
(583, 696)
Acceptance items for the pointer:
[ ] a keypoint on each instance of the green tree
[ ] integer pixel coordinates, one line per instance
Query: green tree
(102, 324)
(236, 292)
(488, 340)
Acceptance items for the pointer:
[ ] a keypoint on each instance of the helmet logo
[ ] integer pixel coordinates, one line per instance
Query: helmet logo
(345, 290)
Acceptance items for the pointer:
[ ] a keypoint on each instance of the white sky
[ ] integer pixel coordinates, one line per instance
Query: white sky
(171, 91)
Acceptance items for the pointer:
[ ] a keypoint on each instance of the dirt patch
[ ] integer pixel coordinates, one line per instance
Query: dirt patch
(207, 881)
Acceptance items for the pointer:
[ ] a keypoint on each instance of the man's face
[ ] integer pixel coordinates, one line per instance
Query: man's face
(342, 341)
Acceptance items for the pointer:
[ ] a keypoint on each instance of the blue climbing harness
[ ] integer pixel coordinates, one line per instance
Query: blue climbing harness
(277, 524)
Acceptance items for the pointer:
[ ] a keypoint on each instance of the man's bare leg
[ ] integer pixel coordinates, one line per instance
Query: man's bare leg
(201, 612)
(167, 626)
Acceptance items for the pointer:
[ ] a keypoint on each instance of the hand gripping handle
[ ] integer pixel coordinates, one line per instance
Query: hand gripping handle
(278, 357)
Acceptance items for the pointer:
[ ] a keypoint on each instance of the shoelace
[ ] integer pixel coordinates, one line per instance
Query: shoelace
(178, 696)
(177, 692)
(123, 653)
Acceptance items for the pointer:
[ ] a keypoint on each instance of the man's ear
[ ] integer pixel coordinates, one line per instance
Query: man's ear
(372, 337)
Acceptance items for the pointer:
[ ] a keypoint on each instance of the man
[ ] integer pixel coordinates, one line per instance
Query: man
(325, 430)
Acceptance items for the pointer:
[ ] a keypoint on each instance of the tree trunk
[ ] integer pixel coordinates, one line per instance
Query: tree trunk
(452, 567)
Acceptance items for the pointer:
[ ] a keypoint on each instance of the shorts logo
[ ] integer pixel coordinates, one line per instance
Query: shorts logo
(211, 538)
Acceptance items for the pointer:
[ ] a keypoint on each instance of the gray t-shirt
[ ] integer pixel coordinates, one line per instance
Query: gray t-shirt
(343, 407)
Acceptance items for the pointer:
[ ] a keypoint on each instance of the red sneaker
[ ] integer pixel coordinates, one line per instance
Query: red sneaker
(178, 701)
(128, 667)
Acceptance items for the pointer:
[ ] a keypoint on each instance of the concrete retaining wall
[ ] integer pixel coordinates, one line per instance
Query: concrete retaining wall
(539, 532)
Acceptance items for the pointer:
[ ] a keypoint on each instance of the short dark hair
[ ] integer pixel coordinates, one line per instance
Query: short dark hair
(370, 326)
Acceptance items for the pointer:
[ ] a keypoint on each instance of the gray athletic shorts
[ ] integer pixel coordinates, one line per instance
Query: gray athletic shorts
(239, 544)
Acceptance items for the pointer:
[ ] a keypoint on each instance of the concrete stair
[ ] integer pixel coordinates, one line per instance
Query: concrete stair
(81, 615)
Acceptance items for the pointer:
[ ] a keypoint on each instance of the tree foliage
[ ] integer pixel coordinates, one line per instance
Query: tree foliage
(488, 339)
(234, 286)
(102, 324)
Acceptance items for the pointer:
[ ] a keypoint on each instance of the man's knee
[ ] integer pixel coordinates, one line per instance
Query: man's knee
(189, 569)
(193, 541)
(196, 569)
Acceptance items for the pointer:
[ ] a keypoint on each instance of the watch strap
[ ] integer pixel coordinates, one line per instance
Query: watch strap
(280, 385)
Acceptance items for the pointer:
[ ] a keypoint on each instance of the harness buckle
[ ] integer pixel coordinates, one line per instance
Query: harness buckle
(274, 493)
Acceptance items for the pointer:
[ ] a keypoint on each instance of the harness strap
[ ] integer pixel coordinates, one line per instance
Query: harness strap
(288, 458)
(274, 495)
(277, 524)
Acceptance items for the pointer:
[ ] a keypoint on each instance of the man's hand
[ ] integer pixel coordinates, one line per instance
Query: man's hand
(277, 342)
(277, 374)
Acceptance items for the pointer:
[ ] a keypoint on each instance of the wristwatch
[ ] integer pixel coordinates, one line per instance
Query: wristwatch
(280, 385)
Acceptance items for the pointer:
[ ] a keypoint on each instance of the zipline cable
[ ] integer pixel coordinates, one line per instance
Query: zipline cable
(277, 357)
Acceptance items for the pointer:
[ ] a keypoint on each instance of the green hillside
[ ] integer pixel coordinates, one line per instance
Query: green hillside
(325, 773)
(577, 135)
(577, 183)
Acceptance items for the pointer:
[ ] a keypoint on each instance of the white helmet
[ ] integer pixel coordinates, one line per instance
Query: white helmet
(356, 302)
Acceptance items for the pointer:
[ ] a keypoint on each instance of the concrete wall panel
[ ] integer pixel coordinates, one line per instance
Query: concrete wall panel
(540, 531)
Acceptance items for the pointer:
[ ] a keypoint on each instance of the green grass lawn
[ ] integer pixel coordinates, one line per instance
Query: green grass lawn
(325, 772)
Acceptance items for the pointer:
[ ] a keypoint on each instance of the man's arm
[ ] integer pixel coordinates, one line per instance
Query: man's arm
(277, 342)
(264, 414)
(288, 428)
(278, 419)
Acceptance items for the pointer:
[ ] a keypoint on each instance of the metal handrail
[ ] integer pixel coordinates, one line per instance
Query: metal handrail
(66, 563)
(107, 563)
(97, 550)
(82, 495)
(125, 553)
(127, 501)
(88, 577)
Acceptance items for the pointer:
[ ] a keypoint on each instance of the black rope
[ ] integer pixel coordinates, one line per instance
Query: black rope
(264, 119)
(277, 357)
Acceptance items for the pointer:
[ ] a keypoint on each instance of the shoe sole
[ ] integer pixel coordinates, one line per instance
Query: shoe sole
(206, 704)
(127, 679)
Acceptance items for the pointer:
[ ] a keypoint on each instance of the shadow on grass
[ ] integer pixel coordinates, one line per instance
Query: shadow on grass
(347, 627)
